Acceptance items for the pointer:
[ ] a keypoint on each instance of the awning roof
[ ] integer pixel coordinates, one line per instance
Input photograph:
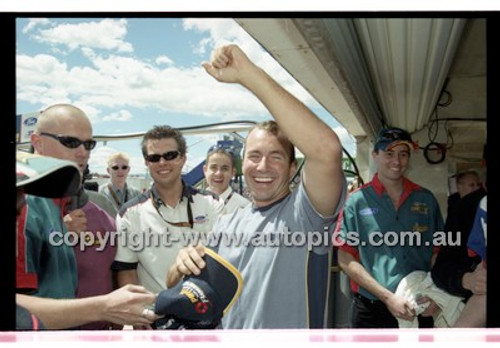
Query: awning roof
(367, 72)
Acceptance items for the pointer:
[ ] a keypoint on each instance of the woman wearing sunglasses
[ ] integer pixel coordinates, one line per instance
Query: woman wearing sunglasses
(117, 188)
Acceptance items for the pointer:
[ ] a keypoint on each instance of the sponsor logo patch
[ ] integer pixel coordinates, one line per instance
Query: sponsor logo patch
(196, 296)
(420, 208)
(368, 211)
(200, 219)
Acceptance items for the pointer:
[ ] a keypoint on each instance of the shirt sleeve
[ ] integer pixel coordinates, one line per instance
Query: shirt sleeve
(477, 239)
(312, 221)
(124, 249)
(346, 233)
(26, 278)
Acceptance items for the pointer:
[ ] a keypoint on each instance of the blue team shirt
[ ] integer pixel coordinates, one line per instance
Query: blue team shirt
(379, 235)
(46, 255)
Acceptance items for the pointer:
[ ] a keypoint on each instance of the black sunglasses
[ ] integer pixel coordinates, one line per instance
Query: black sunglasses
(167, 156)
(124, 167)
(218, 147)
(396, 134)
(72, 142)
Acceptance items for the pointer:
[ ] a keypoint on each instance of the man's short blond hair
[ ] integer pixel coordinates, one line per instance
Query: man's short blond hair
(117, 155)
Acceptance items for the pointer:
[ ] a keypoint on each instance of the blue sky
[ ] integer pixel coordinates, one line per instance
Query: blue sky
(129, 74)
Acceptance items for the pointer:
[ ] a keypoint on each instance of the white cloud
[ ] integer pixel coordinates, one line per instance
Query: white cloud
(107, 34)
(226, 31)
(106, 85)
(118, 82)
(120, 116)
(33, 23)
(114, 81)
(164, 60)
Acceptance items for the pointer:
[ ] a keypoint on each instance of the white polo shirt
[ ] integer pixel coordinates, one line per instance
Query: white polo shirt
(148, 239)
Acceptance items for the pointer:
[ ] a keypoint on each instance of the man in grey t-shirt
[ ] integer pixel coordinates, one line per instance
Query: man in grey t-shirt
(285, 281)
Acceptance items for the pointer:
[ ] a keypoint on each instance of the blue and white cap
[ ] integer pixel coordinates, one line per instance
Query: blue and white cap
(200, 301)
(387, 138)
(46, 176)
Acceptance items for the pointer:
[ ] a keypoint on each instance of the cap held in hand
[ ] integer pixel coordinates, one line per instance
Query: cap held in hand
(199, 302)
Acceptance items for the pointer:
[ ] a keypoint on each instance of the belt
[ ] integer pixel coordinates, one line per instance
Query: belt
(365, 299)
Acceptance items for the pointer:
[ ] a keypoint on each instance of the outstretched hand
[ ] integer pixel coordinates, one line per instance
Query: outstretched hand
(128, 306)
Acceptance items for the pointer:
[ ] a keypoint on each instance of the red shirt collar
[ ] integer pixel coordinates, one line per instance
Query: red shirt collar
(408, 187)
(62, 203)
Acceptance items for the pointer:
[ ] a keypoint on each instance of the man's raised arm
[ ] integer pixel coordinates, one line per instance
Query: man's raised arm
(323, 176)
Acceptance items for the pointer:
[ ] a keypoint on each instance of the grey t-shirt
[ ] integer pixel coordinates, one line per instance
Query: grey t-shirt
(284, 281)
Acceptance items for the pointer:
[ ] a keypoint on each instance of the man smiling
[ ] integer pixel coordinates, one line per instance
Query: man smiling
(284, 285)
(389, 204)
(219, 168)
(152, 225)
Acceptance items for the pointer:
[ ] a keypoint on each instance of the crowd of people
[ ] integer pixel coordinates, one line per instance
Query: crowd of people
(70, 277)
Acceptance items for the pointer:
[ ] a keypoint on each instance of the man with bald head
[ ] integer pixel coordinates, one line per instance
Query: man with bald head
(63, 269)
(66, 125)
(47, 141)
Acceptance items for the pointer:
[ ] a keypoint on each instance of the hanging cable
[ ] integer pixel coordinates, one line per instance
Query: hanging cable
(433, 127)
(355, 172)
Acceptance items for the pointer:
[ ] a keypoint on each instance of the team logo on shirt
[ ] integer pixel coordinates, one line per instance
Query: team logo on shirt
(368, 211)
(200, 219)
(90, 239)
(420, 228)
(420, 208)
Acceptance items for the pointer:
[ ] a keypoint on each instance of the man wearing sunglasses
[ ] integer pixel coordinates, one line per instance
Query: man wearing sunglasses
(41, 179)
(69, 270)
(154, 226)
(117, 189)
(285, 283)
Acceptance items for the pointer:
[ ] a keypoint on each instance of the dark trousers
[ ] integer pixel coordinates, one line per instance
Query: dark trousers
(372, 314)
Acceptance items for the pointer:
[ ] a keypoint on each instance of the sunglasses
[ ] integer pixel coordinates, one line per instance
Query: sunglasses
(396, 134)
(167, 156)
(72, 142)
(219, 147)
(124, 167)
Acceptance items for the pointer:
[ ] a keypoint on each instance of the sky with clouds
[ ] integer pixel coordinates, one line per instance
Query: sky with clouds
(129, 74)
